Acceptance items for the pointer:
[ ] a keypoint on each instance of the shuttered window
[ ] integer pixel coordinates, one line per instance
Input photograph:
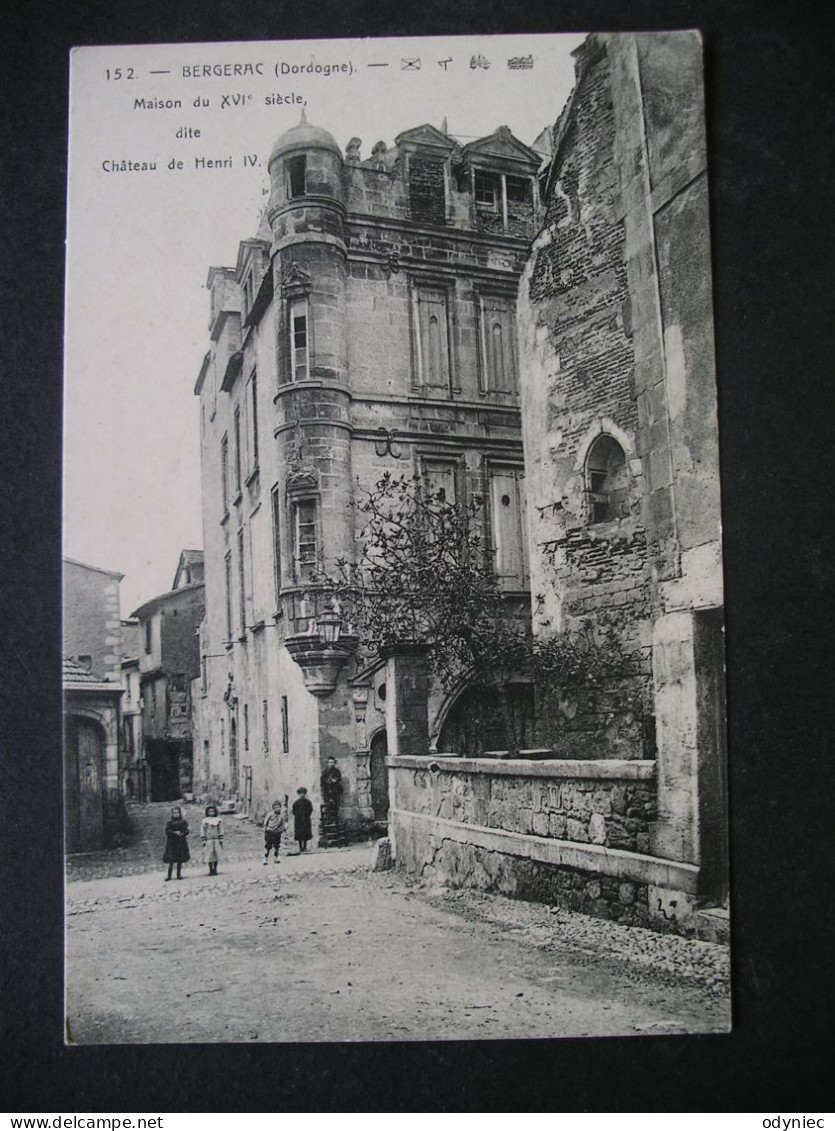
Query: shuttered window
(498, 345)
(508, 526)
(305, 549)
(299, 340)
(433, 339)
(440, 476)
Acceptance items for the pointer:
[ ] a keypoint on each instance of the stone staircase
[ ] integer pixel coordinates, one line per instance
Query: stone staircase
(331, 829)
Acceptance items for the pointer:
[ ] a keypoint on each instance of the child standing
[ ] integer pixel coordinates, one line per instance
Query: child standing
(302, 810)
(176, 842)
(273, 828)
(211, 833)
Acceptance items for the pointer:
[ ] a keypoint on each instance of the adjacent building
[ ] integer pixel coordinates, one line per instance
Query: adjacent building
(92, 633)
(367, 327)
(92, 648)
(167, 663)
(134, 768)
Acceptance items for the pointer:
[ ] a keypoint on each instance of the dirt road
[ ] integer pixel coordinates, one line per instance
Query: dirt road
(318, 948)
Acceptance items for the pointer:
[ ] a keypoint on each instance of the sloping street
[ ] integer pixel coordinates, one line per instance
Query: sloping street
(319, 948)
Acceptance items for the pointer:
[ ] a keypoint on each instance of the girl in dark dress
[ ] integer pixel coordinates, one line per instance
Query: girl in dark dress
(302, 810)
(176, 842)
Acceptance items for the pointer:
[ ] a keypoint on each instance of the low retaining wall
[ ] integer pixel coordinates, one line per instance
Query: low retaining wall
(572, 833)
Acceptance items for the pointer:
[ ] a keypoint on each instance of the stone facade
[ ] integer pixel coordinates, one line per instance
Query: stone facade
(169, 662)
(368, 327)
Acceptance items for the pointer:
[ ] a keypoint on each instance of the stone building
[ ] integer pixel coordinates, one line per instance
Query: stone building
(368, 326)
(92, 806)
(92, 625)
(169, 661)
(92, 651)
(626, 817)
(135, 773)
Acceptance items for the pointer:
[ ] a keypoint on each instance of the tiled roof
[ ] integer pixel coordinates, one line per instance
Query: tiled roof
(77, 673)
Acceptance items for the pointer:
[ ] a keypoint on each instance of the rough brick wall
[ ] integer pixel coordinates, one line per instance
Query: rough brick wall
(426, 190)
(578, 382)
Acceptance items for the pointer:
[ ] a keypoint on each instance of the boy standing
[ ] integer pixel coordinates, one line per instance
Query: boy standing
(273, 828)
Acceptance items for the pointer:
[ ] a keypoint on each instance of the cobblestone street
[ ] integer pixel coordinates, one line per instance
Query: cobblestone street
(318, 948)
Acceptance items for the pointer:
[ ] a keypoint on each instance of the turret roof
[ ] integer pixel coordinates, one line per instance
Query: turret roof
(305, 136)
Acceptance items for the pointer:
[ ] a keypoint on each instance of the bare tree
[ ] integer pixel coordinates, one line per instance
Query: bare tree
(427, 575)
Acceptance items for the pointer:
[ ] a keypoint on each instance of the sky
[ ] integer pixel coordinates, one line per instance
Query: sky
(140, 241)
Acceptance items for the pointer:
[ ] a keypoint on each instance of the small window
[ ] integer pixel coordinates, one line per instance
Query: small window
(299, 340)
(606, 480)
(246, 726)
(85, 661)
(149, 635)
(241, 582)
(486, 192)
(305, 539)
(276, 543)
(296, 176)
(224, 473)
(285, 725)
(228, 574)
(265, 726)
(237, 438)
(253, 420)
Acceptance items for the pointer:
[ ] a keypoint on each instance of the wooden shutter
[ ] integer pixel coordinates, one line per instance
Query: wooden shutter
(509, 526)
(498, 330)
(434, 339)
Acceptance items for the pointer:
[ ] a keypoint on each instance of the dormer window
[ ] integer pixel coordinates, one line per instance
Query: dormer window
(486, 188)
(296, 169)
(518, 190)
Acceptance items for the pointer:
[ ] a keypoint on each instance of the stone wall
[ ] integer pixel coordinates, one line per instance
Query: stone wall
(574, 834)
(572, 802)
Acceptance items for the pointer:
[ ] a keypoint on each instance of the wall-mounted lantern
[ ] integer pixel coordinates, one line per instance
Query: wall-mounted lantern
(323, 650)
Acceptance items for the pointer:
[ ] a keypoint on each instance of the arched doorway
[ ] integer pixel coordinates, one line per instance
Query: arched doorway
(379, 776)
(474, 722)
(84, 742)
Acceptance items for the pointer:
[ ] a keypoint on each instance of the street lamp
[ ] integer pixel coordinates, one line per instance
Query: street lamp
(330, 626)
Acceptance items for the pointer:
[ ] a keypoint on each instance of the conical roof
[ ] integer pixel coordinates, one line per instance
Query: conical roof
(304, 136)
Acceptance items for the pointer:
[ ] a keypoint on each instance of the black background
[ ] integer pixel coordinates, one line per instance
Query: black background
(770, 131)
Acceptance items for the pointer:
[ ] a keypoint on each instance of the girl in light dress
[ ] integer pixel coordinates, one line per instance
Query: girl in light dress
(211, 833)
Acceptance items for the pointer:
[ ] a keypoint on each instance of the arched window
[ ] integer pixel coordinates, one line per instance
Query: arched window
(606, 480)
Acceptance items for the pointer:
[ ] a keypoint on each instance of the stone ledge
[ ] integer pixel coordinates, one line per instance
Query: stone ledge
(611, 769)
(593, 858)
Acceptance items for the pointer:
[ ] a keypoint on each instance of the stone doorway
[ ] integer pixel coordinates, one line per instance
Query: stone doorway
(379, 776)
(83, 786)
(164, 764)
